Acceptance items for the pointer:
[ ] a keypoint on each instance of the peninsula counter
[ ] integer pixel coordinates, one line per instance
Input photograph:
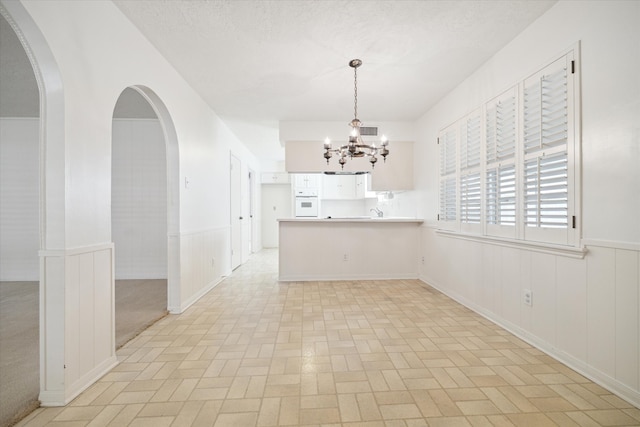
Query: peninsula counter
(350, 248)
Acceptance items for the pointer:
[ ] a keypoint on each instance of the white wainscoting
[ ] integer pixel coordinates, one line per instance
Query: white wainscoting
(204, 262)
(585, 312)
(77, 343)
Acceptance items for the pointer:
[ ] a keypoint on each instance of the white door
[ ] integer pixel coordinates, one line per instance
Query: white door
(248, 222)
(276, 203)
(236, 212)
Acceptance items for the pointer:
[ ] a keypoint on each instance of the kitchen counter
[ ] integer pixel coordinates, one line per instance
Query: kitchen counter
(354, 219)
(349, 248)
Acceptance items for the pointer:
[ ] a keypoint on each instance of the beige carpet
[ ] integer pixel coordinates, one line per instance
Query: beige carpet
(139, 303)
(19, 350)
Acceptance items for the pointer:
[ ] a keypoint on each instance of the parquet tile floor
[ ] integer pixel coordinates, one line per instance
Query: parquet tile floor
(258, 352)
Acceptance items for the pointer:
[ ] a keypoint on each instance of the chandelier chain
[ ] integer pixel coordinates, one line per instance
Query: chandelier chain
(355, 92)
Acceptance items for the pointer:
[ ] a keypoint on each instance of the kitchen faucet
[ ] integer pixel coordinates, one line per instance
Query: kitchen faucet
(377, 211)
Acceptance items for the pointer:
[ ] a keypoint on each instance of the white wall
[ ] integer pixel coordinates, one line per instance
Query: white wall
(19, 199)
(92, 64)
(139, 199)
(585, 311)
(276, 204)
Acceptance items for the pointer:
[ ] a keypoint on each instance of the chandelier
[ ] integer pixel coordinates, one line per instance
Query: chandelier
(356, 147)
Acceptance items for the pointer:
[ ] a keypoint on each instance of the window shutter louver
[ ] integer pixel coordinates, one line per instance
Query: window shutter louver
(501, 129)
(500, 184)
(448, 142)
(501, 196)
(470, 178)
(471, 151)
(546, 162)
(546, 195)
(470, 198)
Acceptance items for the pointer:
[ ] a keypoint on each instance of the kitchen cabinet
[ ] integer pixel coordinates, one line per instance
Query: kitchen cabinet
(345, 187)
(275, 178)
(361, 185)
(396, 174)
(339, 187)
(306, 180)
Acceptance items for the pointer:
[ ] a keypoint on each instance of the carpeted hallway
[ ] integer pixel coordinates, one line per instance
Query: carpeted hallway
(19, 349)
(139, 303)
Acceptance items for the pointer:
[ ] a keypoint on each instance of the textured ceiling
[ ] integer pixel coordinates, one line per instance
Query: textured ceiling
(259, 62)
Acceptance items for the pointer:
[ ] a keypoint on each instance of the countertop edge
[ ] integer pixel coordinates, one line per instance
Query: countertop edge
(367, 220)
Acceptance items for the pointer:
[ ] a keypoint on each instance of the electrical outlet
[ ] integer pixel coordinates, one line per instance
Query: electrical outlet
(213, 262)
(527, 296)
(422, 260)
(345, 257)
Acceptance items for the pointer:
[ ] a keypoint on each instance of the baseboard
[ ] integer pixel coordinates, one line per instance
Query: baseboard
(343, 277)
(621, 390)
(60, 398)
(196, 297)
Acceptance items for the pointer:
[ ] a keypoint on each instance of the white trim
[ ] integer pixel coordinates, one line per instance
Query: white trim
(194, 232)
(621, 390)
(88, 379)
(194, 298)
(347, 277)
(135, 119)
(547, 248)
(614, 244)
(25, 118)
(58, 398)
(75, 251)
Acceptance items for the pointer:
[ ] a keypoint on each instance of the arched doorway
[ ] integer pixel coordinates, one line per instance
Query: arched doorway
(138, 215)
(141, 101)
(51, 197)
(19, 228)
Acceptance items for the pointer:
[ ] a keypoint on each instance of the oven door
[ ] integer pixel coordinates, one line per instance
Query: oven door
(306, 207)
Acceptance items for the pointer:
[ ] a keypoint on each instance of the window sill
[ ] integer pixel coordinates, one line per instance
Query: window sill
(547, 248)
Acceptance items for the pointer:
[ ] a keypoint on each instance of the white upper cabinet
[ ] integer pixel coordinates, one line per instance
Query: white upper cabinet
(307, 180)
(275, 178)
(339, 187)
(395, 174)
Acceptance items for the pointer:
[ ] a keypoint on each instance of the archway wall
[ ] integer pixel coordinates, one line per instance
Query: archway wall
(98, 54)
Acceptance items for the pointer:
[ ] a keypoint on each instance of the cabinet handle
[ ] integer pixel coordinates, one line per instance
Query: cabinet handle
(240, 217)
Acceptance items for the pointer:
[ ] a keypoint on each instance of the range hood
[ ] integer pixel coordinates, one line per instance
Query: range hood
(344, 173)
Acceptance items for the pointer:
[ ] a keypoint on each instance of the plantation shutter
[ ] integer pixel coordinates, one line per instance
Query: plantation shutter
(470, 198)
(448, 144)
(511, 168)
(470, 179)
(500, 175)
(546, 133)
